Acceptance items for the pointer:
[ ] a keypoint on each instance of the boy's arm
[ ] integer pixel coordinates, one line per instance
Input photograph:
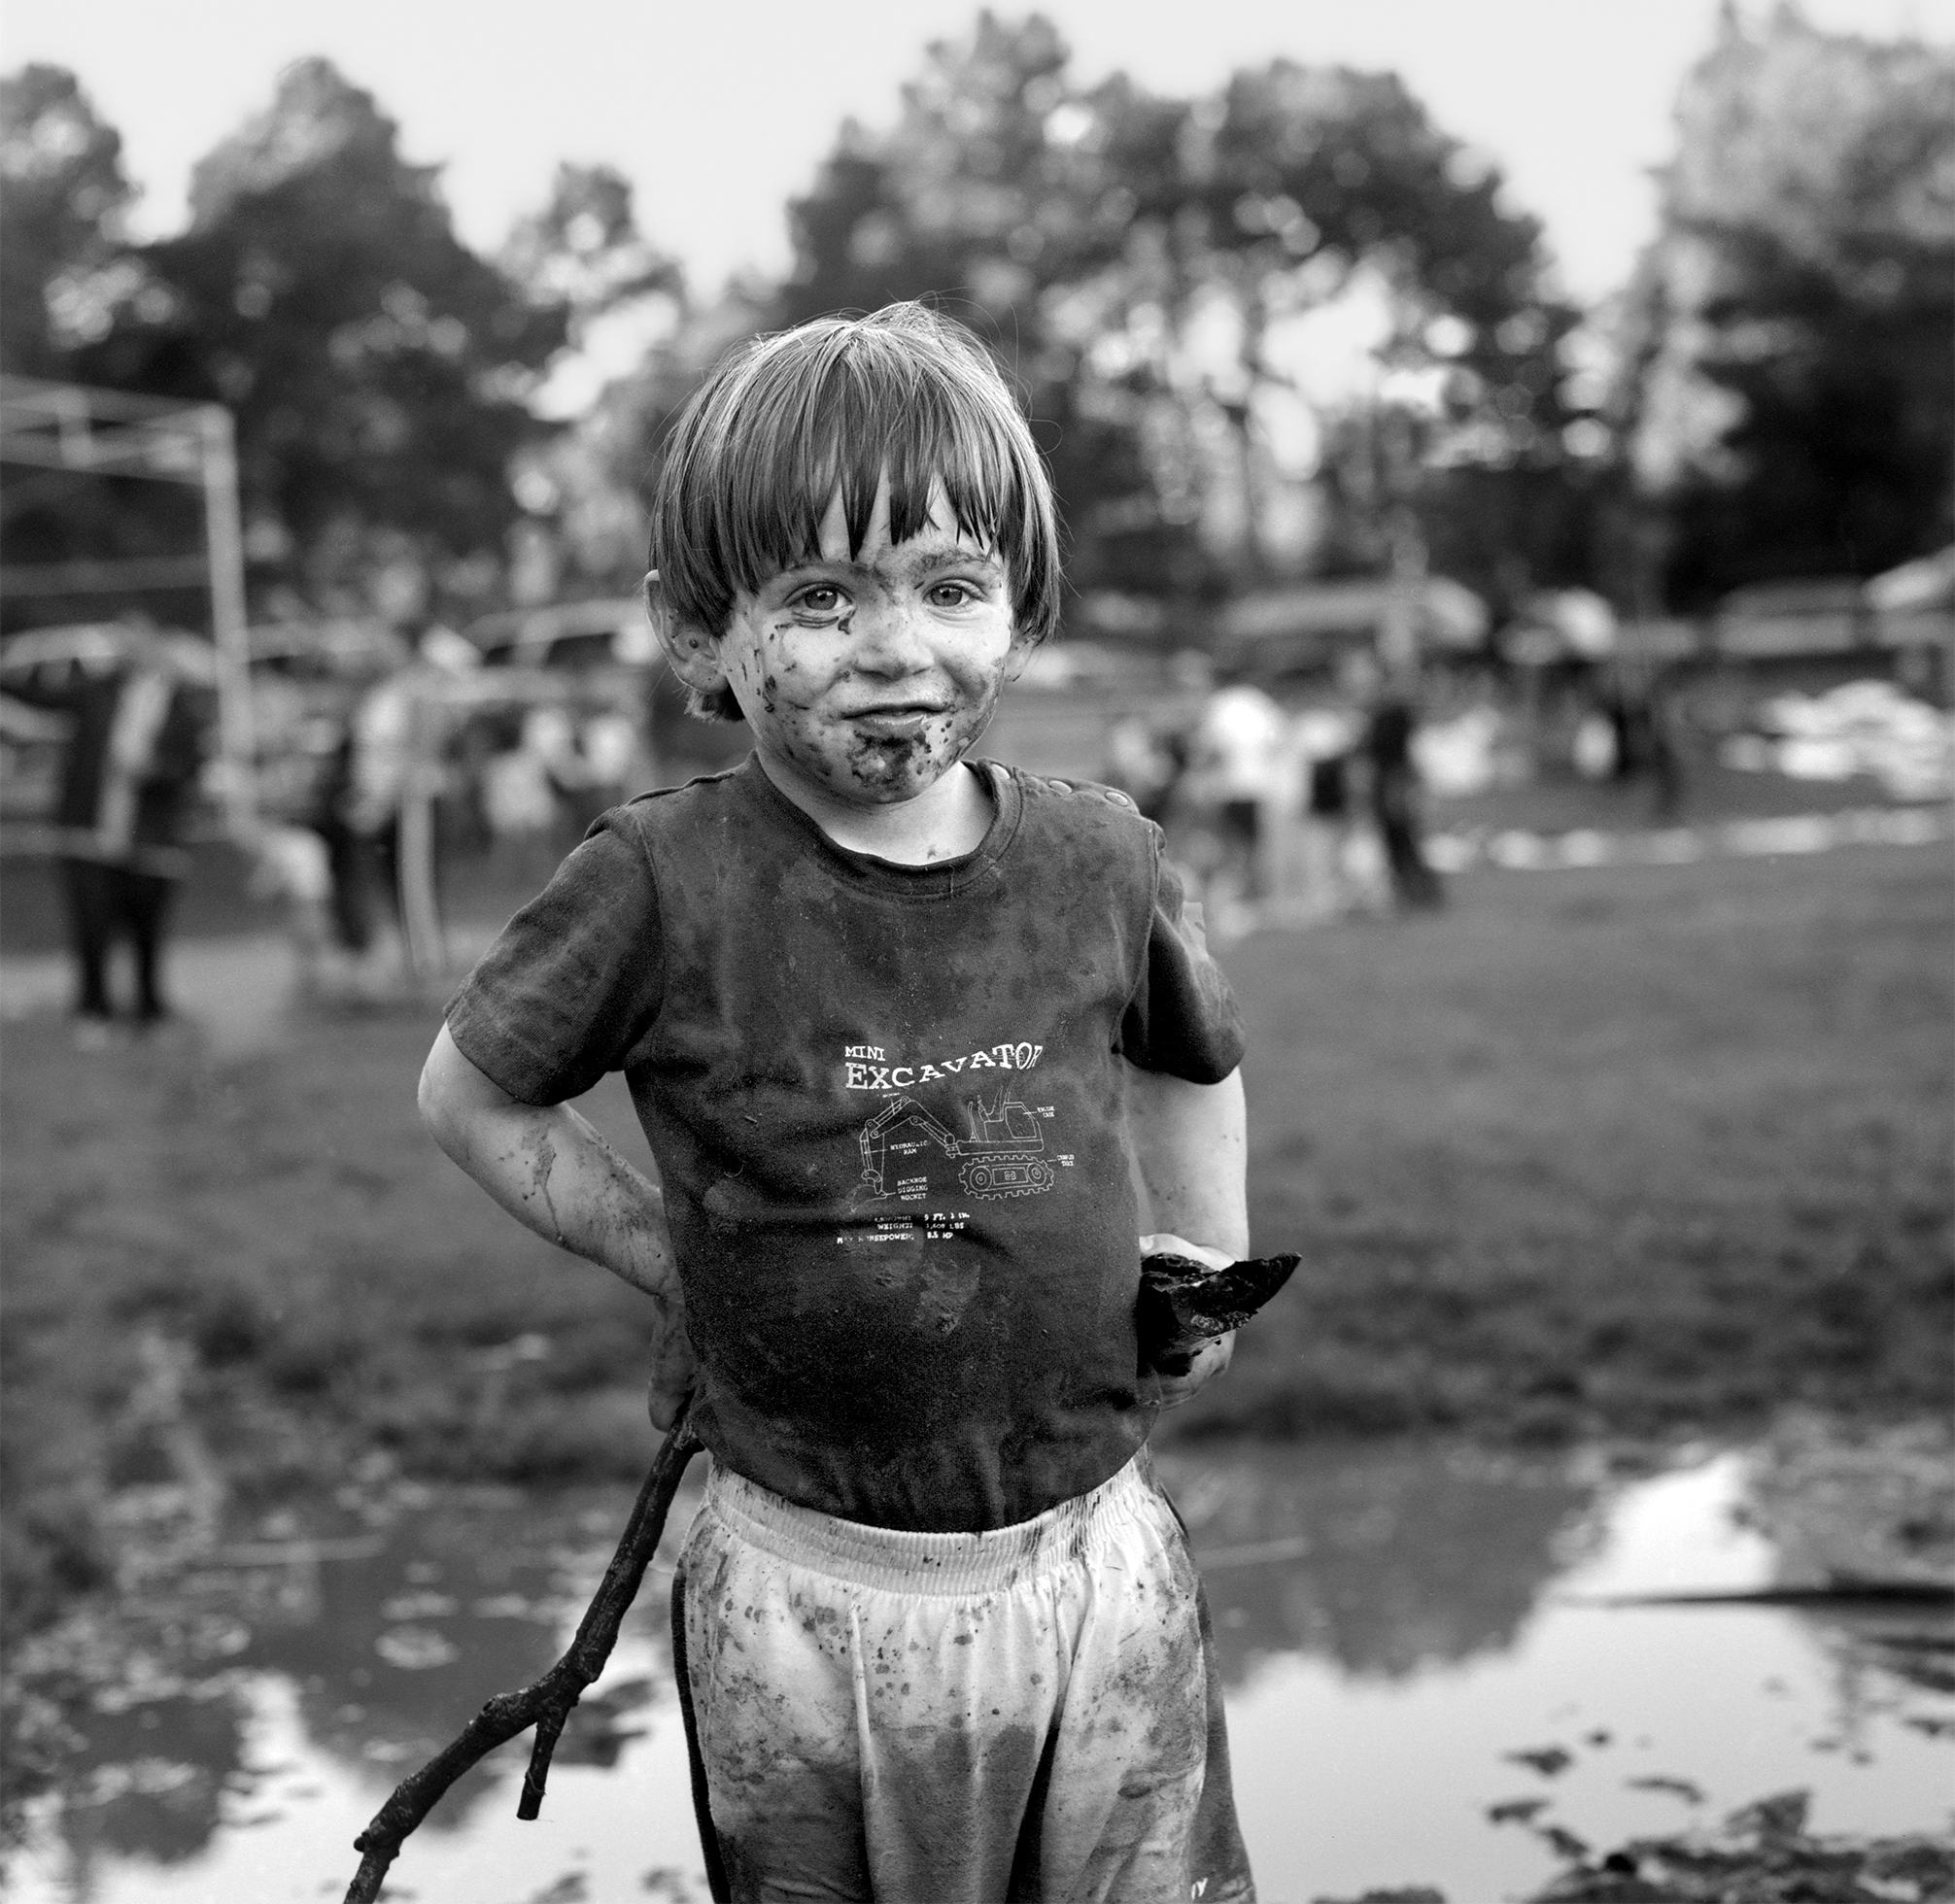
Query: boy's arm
(552, 1171)
(1190, 1153)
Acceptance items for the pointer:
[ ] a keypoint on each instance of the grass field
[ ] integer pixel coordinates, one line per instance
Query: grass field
(1624, 1150)
(1642, 1150)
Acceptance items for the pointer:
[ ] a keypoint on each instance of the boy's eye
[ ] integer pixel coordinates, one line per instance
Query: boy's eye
(951, 595)
(819, 598)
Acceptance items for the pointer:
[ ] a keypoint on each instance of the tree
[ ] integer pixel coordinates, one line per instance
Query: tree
(62, 170)
(379, 371)
(1792, 408)
(625, 370)
(65, 269)
(584, 252)
(1151, 268)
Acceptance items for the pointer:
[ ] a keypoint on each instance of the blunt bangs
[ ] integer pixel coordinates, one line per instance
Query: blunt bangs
(759, 453)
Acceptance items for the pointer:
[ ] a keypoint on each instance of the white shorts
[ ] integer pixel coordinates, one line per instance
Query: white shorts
(1031, 1714)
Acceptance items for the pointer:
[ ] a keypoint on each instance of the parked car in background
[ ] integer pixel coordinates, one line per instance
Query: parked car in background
(610, 632)
(1814, 615)
(608, 658)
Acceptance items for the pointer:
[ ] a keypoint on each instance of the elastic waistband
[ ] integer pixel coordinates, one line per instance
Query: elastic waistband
(900, 1561)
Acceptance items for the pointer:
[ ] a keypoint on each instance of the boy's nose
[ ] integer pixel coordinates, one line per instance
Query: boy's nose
(889, 636)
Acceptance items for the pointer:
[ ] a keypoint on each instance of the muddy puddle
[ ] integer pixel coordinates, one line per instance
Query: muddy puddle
(1431, 1680)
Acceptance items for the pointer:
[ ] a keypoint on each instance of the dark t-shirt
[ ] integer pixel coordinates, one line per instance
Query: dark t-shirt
(885, 1103)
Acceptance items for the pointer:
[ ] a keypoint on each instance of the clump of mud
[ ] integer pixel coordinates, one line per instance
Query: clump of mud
(1846, 1502)
(1184, 1304)
(1761, 1855)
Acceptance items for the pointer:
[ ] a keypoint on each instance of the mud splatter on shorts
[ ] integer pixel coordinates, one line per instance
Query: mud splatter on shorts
(1031, 1714)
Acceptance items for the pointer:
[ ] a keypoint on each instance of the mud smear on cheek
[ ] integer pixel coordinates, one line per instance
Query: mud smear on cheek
(759, 681)
(770, 680)
(797, 735)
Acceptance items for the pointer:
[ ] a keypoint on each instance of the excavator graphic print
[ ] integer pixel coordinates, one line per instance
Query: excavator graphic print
(1001, 1157)
(1004, 1147)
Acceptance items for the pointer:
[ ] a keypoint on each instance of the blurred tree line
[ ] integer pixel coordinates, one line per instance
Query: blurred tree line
(1789, 392)
(1262, 329)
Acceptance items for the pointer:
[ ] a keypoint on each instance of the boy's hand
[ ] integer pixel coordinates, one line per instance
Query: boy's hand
(1204, 1362)
(1182, 1376)
(675, 1369)
(1165, 1244)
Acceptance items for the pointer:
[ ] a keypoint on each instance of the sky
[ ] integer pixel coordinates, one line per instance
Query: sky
(720, 110)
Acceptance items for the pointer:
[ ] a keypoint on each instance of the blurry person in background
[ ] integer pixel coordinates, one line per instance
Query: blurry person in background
(1385, 698)
(1233, 783)
(127, 778)
(359, 817)
(1665, 742)
(1325, 739)
(358, 814)
(587, 764)
(1145, 763)
(1643, 707)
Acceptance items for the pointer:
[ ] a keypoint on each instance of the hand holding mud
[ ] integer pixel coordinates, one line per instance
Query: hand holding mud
(1193, 1300)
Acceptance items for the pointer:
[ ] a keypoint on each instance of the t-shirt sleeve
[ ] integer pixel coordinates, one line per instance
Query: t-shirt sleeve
(1181, 1018)
(571, 988)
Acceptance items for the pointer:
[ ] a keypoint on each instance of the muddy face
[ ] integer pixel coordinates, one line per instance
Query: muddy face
(867, 678)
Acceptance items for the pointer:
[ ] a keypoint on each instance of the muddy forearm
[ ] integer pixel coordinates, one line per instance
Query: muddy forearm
(555, 1174)
(552, 1171)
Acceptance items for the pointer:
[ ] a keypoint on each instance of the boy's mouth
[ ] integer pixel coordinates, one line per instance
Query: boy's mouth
(893, 723)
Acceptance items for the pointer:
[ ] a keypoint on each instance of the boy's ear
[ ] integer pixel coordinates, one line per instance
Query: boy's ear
(1022, 646)
(693, 652)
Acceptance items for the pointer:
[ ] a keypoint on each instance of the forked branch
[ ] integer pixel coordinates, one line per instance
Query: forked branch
(546, 1703)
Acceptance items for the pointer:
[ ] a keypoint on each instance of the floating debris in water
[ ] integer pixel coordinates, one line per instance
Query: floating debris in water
(415, 1648)
(1548, 1760)
(1684, 1789)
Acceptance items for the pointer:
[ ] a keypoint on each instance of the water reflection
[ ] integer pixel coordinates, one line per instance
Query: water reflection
(1382, 1561)
(1423, 1687)
(345, 1661)
(1590, 1723)
(403, 1643)
(159, 1772)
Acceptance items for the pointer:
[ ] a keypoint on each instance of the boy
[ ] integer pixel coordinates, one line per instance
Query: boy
(895, 1022)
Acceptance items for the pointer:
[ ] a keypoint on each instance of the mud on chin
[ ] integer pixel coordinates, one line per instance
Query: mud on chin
(897, 767)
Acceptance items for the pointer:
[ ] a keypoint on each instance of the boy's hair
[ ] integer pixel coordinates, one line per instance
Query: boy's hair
(780, 424)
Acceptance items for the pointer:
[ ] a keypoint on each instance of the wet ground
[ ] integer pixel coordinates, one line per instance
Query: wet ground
(1432, 1679)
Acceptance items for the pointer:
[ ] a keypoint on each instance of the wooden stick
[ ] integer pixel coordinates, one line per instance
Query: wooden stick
(546, 1703)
